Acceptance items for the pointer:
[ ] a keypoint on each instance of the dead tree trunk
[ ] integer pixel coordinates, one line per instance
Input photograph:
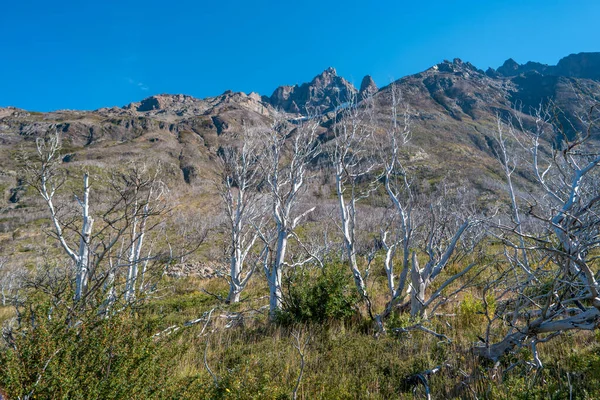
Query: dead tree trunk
(83, 258)
(240, 175)
(287, 160)
(353, 161)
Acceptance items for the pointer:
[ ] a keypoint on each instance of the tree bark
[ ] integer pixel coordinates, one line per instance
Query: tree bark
(83, 259)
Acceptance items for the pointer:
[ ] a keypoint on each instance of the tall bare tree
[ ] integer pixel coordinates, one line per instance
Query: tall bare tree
(240, 175)
(507, 151)
(120, 222)
(47, 180)
(355, 168)
(146, 191)
(397, 234)
(429, 225)
(289, 151)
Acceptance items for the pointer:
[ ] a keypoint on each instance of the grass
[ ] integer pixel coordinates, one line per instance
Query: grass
(344, 359)
(6, 313)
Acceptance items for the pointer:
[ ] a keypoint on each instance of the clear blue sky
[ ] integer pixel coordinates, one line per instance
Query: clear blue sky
(88, 54)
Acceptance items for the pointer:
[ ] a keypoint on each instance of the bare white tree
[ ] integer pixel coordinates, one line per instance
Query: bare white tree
(123, 220)
(354, 163)
(240, 174)
(508, 157)
(46, 180)
(397, 234)
(146, 190)
(443, 232)
(566, 165)
(288, 155)
(402, 237)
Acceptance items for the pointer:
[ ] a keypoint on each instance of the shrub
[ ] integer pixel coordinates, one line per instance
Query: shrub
(54, 355)
(471, 311)
(318, 296)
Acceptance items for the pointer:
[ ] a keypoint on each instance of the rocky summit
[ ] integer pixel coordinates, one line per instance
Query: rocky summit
(326, 91)
(367, 87)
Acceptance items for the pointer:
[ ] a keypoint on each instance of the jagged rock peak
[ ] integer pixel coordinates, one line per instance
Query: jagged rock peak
(581, 65)
(455, 66)
(512, 68)
(330, 71)
(161, 102)
(323, 93)
(367, 87)
(327, 78)
(509, 67)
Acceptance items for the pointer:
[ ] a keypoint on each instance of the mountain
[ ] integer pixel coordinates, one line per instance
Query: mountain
(453, 108)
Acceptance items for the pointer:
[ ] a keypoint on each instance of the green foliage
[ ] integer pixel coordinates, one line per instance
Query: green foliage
(401, 320)
(341, 363)
(55, 354)
(471, 311)
(318, 296)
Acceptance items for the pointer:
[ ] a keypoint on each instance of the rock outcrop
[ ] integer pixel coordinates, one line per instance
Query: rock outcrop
(325, 92)
(367, 87)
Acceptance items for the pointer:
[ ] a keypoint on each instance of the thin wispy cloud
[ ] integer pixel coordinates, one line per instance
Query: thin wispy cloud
(138, 84)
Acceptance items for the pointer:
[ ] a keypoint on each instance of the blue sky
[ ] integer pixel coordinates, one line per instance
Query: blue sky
(90, 54)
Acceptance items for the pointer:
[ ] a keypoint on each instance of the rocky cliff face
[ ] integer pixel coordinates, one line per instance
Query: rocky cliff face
(180, 131)
(453, 103)
(454, 89)
(325, 92)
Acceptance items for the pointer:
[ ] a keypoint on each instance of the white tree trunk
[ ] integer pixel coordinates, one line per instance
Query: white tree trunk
(83, 259)
(418, 286)
(275, 275)
(348, 219)
(286, 177)
(134, 257)
(235, 284)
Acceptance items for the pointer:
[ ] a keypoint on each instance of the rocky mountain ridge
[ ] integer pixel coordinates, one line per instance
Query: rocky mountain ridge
(581, 65)
(449, 101)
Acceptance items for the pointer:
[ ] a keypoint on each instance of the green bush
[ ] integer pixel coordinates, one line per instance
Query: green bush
(56, 355)
(318, 296)
(471, 311)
